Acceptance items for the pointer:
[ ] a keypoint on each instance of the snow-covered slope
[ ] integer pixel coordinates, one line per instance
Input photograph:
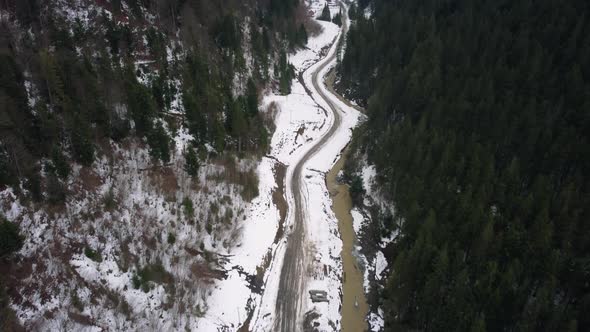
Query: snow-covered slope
(136, 217)
(143, 246)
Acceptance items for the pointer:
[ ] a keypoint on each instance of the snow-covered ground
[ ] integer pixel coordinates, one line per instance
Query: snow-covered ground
(227, 301)
(301, 122)
(134, 216)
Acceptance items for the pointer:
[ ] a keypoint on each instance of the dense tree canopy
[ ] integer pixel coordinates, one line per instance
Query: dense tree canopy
(10, 238)
(479, 125)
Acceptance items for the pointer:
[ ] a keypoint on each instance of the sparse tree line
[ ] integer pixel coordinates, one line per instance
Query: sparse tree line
(479, 124)
(325, 15)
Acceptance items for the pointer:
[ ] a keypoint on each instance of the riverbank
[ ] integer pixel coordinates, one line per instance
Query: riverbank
(354, 304)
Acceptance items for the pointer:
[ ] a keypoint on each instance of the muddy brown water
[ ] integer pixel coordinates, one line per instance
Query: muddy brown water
(354, 304)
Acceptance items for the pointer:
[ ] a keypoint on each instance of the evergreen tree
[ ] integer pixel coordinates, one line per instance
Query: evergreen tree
(285, 72)
(82, 146)
(196, 120)
(227, 33)
(10, 238)
(239, 124)
(32, 183)
(337, 19)
(53, 82)
(140, 103)
(302, 35)
(192, 162)
(7, 174)
(159, 143)
(325, 15)
(251, 98)
(60, 163)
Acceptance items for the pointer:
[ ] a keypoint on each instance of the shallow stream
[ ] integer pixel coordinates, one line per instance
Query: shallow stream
(354, 304)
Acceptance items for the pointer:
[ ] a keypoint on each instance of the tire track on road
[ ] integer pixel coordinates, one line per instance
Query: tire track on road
(292, 280)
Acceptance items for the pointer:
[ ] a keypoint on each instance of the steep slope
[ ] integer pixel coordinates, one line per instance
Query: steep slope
(130, 140)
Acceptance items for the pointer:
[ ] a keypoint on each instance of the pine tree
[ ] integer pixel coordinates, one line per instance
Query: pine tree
(251, 98)
(60, 163)
(159, 143)
(6, 174)
(285, 72)
(239, 123)
(141, 105)
(82, 142)
(10, 238)
(302, 35)
(191, 165)
(337, 19)
(32, 183)
(285, 84)
(196, 120)
(325, 15)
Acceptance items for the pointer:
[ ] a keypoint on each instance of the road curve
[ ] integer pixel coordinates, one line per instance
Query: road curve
(293, 271)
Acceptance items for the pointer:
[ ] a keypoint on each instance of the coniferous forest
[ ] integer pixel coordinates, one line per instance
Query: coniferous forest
(479, 126)
(88, 80)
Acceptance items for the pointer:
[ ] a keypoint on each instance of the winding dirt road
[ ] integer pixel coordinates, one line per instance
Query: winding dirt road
(292, 280)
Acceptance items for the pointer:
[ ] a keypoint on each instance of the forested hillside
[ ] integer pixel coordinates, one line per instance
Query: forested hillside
(73, 76)
(130, 134)
(479, 127)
